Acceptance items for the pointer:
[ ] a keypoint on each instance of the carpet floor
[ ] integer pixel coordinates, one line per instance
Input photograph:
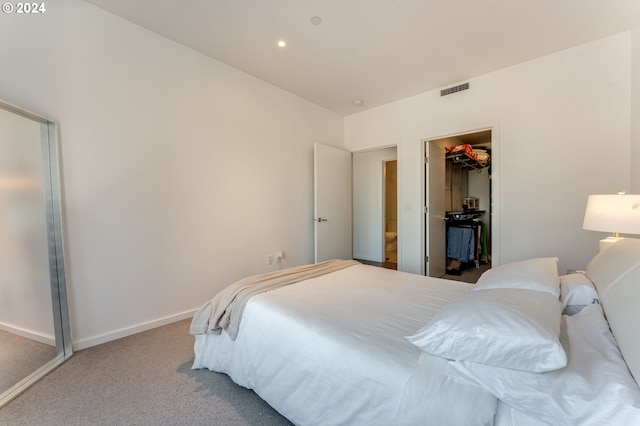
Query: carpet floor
(20, 357)
(469, 275)
(144, 379)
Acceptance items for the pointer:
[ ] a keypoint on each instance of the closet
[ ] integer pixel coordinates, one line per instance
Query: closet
(468, 202)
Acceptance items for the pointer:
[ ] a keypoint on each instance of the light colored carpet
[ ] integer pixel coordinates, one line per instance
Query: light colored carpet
(469, 275)
(145, 379)
(20, 357)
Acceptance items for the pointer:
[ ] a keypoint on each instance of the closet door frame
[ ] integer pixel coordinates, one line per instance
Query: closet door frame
(494, 127)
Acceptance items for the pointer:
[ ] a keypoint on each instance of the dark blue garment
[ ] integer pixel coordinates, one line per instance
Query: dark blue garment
(460, 244)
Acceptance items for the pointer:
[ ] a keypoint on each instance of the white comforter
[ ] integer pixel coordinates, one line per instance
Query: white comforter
(331, 351)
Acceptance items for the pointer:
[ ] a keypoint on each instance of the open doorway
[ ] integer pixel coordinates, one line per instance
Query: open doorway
(390, 210)
(458, 206)
(375, 205)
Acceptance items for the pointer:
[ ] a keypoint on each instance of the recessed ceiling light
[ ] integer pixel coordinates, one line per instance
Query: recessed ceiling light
(282, 43)
(358, 102)
(316, 20)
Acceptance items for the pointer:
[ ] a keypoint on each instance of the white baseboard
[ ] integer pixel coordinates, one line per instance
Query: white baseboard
(124, 332)
(29, 334)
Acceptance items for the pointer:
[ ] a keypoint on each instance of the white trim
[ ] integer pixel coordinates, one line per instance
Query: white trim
(47, 339)
(124, 332)
(400, 184)
(377, 148)
(495, 195)
(494, 126)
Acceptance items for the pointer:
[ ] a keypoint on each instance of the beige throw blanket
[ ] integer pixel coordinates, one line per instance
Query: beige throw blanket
(224, 311)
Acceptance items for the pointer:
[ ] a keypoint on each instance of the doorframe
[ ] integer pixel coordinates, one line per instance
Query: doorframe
(494, 126)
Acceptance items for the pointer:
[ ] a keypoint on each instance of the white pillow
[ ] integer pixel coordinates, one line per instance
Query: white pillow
(534, 274)
(502, 327)
(595, 388)
(577, 289)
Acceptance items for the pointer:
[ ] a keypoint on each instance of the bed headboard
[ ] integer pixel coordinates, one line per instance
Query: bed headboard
(616, 274)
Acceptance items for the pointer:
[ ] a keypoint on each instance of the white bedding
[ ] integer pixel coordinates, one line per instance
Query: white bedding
(332, 351)
(594, 389)
(335, 349)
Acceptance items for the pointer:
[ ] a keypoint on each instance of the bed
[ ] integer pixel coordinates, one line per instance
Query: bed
(341, 343)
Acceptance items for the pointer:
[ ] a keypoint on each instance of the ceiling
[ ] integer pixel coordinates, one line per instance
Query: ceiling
(376, 51)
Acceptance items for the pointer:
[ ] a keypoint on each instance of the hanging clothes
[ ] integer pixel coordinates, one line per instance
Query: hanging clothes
(461, 243)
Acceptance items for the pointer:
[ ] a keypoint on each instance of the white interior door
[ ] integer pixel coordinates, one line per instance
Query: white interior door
(332, 203)
(435, 225)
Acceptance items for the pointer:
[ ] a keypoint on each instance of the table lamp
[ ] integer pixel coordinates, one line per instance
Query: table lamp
(617, 213)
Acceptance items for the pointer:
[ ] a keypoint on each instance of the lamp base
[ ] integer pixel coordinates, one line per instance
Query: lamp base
(607, 242)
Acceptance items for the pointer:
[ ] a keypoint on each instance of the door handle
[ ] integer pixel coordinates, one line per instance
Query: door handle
(321, 219)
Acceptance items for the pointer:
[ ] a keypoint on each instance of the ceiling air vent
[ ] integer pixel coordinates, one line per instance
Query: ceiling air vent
(454, 89)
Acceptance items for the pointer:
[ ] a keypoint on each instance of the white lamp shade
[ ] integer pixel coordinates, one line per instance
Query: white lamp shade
(613, 213)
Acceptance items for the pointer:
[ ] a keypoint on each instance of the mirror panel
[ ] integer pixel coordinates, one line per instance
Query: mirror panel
(34, 322)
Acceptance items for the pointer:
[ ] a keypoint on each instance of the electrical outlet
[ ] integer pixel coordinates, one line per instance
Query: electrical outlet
(279, 256)
(269, 259)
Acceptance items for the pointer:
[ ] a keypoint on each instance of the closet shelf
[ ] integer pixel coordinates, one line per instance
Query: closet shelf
(465, 161)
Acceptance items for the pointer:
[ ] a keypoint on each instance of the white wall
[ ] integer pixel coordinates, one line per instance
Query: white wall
(367, 203)
(635, 111)
(563, 126)
(179, 174)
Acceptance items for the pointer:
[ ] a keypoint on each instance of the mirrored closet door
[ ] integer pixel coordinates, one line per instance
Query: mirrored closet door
(34, 320)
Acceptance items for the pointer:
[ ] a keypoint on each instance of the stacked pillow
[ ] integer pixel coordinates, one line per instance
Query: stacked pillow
(577, 290)
(506, 336)
(533, 274)
(510, 320)
(595, 388)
